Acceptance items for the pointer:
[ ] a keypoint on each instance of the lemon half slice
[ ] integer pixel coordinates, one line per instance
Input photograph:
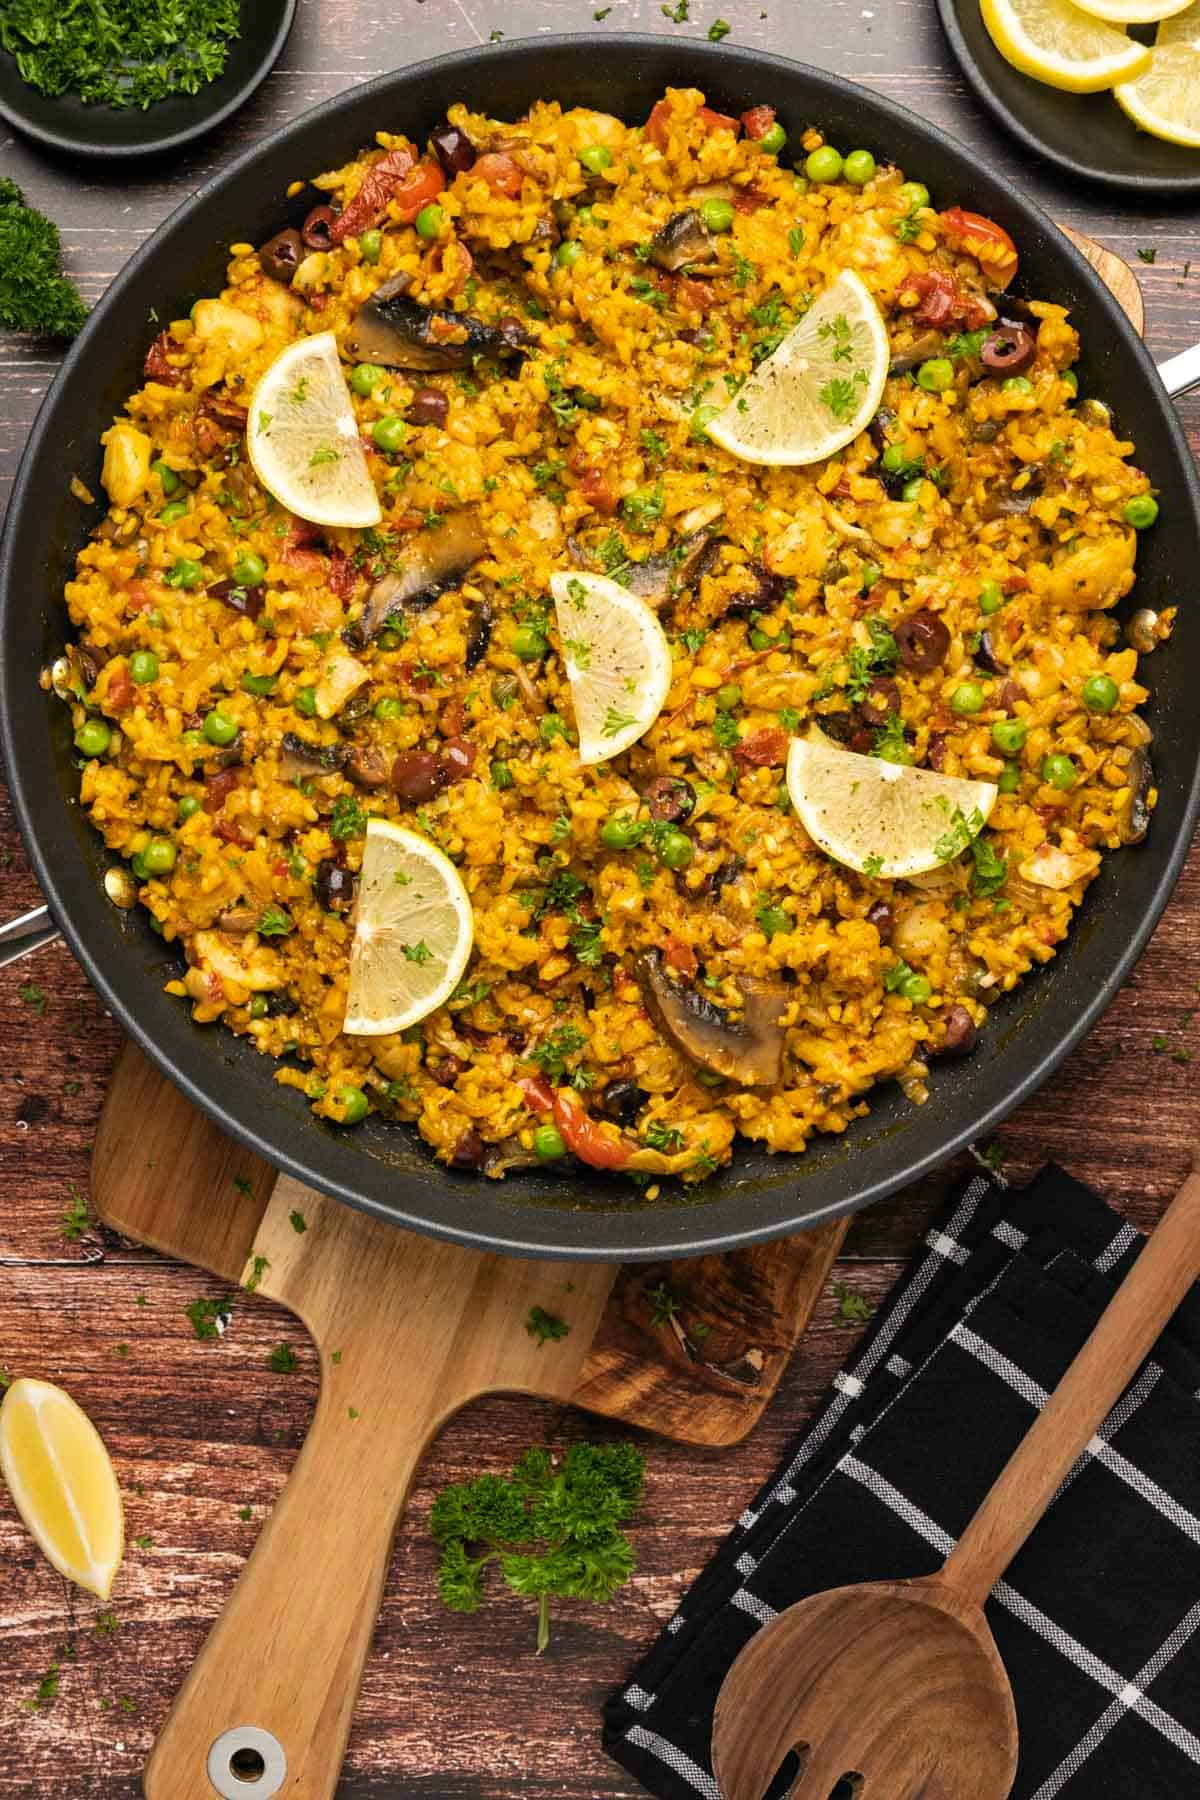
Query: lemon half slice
(617, 659)
(818, 389)
(882, 818)
(1165, 101)
(413, 931)
(302, 437)
(1055, 42)
(62, 1483)
(1131, 12)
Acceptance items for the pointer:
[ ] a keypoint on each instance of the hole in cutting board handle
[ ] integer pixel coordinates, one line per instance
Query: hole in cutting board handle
(788, 1773)
(247, 1763)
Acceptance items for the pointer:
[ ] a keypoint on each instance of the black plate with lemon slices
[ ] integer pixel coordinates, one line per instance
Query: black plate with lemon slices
(1087, 134)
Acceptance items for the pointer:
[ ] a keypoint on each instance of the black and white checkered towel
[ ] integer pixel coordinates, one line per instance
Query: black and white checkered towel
(1098, 1619)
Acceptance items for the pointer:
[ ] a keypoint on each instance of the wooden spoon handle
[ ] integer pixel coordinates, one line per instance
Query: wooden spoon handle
(1129, 1326)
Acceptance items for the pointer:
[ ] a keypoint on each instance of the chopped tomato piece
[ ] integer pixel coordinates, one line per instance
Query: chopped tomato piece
(370, 203)
(593, 1144)
(679, 956)
(945, 305)
(658, 124)
(595, 489)
(763, 749)
(342, 577)
(758, 121)
(748, 200)
(539, 1095)
(417, 190)
(715, 121)
(698, 296)
(983, 239)
(118, 691)
(156, 367)
(500, 172)
(218, 788)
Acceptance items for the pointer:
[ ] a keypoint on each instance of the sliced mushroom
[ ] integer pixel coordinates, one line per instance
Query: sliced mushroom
(746, 1049)
(685, 238)
(390, 328)
(1051, 867)
(660, 577)
(299, 758)
(498, 1159)
(986, 657)
(1133, 818)
(237, 920)
(435, 561)
(930, 343)
(369, 766)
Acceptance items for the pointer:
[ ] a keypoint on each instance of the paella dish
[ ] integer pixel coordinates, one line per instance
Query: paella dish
(602, 639)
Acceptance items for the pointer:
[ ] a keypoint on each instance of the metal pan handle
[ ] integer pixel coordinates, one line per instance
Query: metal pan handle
(1180, 374)
(22, 935)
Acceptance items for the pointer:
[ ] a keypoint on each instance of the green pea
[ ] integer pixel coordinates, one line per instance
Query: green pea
(860, 167)
(1017, 384)
(824, 164)
(305, 701)
(772, 142)
(717, 214)
(388, 640)
(761, 640)
(258, 1006)
(1141, 511)
(675, 849)
(193, 737)
(1070, 380)
(1059, 771)
(729, 695)
(549, 1143)
(868, 576)
(388, 708)
(159, 856)
(701, 419)
(371, 246)
(249, 570)
(914, 194)
(1009, 779)
(1100, 693)
(895, 459)
(430, 221)
(353, 1103)
(143, 667)
(915, 988)
(137, 863)
(587, 216)
(173, 510)
(773, 919)
(1009, 735)
(155, 619)
(936, 375)
(968, 697)
(568, 253)
(366, 377)
(622, 833)
(529, 643)
(93, 738)
(189, 806)
(502, 775)
(912, 489)
(218, 727)
(184, 573)
(390, 432)
(595, 157)
(168, 479)
(991, 597)
(551, 726)
(261, 686)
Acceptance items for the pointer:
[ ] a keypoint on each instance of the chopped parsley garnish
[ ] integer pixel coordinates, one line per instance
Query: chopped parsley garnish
(418, 952)
(298, 1221)
(654, 446)
(890, 742)
(35, 295)
(282, 1359)
(726, 730)
(963, 828)
(131, 55)
(796, 239)
(667, 1138)
(966, 345)
(853, 1309)
(275, 922)
(663, 1304)
(839, 395)
(837, 334)
(909, 228)
(720, 28)
(552, 1053)
(692, 638)
(258, 1269)
(545, 1326)
(644, 508)
(209, 1317)
(75, 1219)
(33, 996)
(1148, 256)
(347, 819)
(615, 721)
(991, 870)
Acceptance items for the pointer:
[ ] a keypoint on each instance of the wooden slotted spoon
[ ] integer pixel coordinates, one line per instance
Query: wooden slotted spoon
(896, 1687)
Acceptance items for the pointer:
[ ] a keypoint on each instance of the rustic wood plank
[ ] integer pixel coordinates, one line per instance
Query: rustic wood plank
(452, 1708)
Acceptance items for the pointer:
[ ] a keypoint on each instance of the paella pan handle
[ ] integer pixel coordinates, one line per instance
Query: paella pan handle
(26, 933)
(1180, 374)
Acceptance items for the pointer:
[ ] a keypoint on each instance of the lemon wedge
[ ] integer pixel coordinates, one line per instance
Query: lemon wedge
(883, 819)
(1165, 101)
(62, 1483)
(617, 659)
(818, 389)
(1131, 12)
(1055, 42)
(413, 931)
(302, 437)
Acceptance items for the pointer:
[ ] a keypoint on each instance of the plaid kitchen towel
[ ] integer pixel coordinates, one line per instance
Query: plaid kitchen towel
(1097, 1620)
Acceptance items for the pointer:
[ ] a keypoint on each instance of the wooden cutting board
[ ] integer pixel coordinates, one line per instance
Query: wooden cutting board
(408, 1330)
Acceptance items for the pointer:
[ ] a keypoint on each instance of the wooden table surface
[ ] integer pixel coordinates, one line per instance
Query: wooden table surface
(452, 1708)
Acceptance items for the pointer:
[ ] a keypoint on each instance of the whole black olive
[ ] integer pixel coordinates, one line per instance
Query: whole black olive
(1009, 349)
(453, 149)
(922, 640)
(418, 775)
(317, 230)
(429, 406)
(335, 886)
(670, 798)
(281, 1006)
(622, 1101)
(246, 600)
(883, 919)
(962, 1033)
(882, 697)
(986, 657)
(468, 1151)
(281, 256)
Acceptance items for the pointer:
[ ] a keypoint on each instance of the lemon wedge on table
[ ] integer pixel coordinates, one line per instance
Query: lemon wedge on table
(302, 437)
(617, 659)
(1165, 101)
(413, 931)
(1056, 42)
(883, 819)
(62, 1483)
(818, 389)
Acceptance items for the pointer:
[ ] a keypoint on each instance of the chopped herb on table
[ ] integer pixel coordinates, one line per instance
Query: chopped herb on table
(35, 295)
(853, 1309)
(545, 1326)
(663, 1304)
(33, 996)
(282, 1359)
(552, 1529)
(75, 1219)
(122, 54)
(209, 1317)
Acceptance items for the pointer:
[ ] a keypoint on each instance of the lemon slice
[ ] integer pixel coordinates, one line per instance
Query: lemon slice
(62, 1483)
(1057, 43)
(1165, 101)
(413, 931)
(1131, 12)
(818, 390)
(302, 437)
(617, 659)
(882, 818)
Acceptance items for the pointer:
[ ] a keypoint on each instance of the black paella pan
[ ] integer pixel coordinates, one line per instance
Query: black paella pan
(385, 1169)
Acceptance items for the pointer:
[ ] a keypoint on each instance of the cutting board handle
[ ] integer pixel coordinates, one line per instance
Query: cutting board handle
(266, 1707)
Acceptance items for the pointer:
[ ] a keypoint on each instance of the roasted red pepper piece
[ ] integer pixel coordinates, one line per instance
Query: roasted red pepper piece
(983, 239)
(417, 190)
(758, 121)
(593, 1144)
(762, 749)
(370, 203)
